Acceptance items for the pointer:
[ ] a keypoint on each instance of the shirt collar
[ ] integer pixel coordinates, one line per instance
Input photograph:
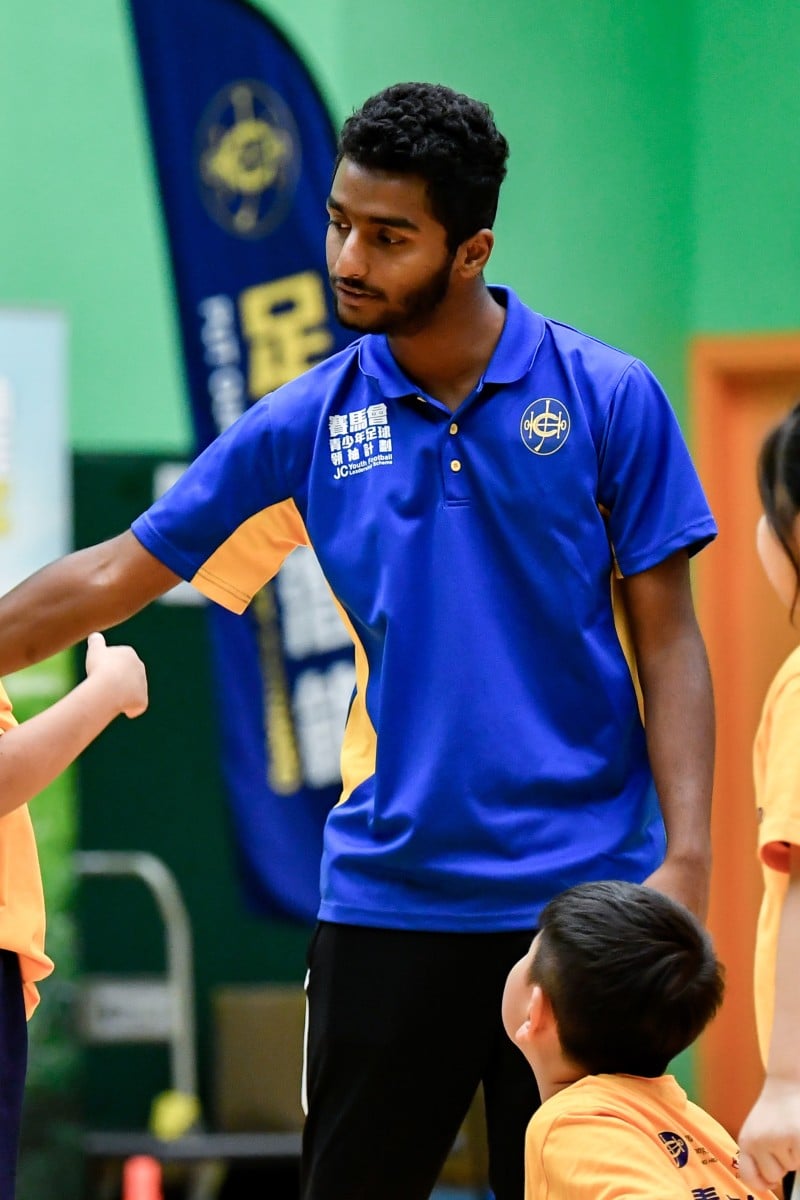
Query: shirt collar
(513, 355)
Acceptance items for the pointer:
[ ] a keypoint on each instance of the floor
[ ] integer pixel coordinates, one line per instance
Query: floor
(457, 1194)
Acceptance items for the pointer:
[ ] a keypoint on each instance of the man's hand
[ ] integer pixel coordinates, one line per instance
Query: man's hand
(686, 880)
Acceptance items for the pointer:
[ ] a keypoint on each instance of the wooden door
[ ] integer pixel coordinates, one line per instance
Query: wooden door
(740, 388)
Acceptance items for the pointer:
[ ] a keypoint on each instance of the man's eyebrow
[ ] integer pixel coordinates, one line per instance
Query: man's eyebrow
(392, 221)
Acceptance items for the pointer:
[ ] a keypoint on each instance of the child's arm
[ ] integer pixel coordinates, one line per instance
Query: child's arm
(34, 753)
(770, 1137)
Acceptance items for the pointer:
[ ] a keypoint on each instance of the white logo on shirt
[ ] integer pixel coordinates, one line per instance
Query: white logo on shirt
(360, 440)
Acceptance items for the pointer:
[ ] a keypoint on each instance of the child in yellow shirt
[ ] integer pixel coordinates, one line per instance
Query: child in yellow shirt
(619, 979)
(770, 1136)
(32, 755)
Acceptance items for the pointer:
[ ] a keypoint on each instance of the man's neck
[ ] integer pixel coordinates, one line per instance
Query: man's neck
(447, 358)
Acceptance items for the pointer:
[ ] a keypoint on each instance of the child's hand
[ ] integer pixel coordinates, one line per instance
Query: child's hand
(121, 672)
(769, 1143)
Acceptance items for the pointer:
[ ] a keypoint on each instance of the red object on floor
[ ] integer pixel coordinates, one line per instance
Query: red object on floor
(141, 1179)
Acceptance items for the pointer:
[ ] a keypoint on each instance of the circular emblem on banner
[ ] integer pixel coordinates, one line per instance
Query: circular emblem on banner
(248, 157)
(545, 425)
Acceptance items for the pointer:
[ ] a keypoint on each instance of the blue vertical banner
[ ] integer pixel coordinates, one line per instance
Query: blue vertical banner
(244, 149)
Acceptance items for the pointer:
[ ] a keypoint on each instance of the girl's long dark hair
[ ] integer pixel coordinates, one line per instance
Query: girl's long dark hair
(778, 474)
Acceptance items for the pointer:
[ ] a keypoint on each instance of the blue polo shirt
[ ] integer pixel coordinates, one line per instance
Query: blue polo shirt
(494, 753)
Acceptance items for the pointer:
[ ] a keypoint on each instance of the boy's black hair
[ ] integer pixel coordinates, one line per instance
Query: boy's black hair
(446, 138)
(631, 975)
(778, 473)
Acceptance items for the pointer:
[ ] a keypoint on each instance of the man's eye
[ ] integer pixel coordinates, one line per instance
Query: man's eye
(340, 226)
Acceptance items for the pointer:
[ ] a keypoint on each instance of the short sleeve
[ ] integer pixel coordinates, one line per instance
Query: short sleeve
(779, 796)
(228, 522)
(647, 480)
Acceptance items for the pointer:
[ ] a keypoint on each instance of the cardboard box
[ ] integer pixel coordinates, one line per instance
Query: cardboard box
(258, 1052)
(258, 1070)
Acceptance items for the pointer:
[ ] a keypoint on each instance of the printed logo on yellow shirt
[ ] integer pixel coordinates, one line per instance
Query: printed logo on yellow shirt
(676, 1147)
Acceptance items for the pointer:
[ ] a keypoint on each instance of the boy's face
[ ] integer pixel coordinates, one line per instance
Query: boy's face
(530, 1022)
(517, 998)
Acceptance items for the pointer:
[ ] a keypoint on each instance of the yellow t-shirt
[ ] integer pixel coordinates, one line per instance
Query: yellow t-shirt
(776, 768)
(21, 896)
(621, 1137)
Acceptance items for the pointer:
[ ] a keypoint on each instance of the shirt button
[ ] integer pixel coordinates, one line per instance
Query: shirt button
(455, 465)
(454, 428)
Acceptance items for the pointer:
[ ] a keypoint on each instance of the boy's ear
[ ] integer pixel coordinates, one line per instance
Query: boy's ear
(539, 1016)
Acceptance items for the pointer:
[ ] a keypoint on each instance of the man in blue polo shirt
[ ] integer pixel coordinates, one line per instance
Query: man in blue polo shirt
(472, 478)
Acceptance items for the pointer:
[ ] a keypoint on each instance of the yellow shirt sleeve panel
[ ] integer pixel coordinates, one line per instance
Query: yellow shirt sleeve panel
(593, 1157)
(778, 765)
(622, 626)
(621, 622)
(360, 742)
(251, 556)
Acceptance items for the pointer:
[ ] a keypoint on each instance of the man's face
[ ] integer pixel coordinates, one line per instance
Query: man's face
(388, 260)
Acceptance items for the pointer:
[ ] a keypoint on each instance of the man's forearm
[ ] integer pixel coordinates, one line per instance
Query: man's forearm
(92, 589)
(679, 724)
(45, 614)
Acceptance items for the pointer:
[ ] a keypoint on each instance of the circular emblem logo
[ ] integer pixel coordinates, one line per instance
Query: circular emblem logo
(545, 425)
(676, 1147)
(248, 157)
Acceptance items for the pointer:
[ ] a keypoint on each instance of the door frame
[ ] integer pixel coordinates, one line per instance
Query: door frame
(728, 375)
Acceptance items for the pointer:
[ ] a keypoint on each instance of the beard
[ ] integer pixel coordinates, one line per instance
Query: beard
(408, 316)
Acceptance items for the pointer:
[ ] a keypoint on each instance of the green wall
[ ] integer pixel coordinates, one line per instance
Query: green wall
(593, 224)
(746, 265)
(654, 178)
(78, 224)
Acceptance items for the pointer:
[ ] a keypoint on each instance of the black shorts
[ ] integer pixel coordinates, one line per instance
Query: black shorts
(402, 1027)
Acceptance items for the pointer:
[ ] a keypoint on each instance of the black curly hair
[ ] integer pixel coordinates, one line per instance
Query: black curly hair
(631, 975)
(444, 137)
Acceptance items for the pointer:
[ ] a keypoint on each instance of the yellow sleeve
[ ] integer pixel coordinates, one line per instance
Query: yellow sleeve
(779, 799)
(599, 1158)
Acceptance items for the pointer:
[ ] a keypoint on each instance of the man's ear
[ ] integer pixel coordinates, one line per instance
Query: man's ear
(473, 254)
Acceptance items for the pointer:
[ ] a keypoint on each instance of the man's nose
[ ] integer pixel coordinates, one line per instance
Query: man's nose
(351, 262)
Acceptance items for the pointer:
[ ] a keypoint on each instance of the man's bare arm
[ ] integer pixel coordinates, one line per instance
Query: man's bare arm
(67, 600)
(679, 722)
